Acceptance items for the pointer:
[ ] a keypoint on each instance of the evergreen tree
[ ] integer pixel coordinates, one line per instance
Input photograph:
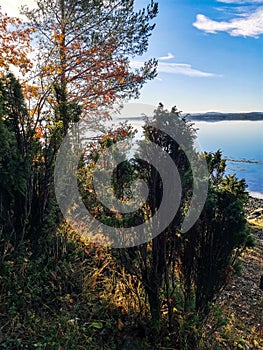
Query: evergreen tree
(85, 49)
(17, 147)
(185, 272)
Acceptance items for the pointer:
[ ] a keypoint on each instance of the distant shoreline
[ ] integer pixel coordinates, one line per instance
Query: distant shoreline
(244, 161)
(211, 117)
(217, 117)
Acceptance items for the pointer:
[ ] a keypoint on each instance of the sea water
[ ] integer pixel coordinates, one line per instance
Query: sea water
(241, 142)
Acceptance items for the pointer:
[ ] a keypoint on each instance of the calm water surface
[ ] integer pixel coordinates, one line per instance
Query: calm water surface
(238, 140)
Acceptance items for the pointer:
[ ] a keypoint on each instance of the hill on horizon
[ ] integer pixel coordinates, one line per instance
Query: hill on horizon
(211, 116)
(219, 116)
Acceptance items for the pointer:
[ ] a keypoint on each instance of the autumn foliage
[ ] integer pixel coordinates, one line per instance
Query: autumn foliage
(83, 53)
(15, 44)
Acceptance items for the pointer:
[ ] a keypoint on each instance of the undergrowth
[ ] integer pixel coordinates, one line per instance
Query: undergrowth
(75, 295)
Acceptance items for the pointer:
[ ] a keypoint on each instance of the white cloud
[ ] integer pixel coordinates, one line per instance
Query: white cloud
(183, 69)
(168, 57)
(177, 68)
(249, 25)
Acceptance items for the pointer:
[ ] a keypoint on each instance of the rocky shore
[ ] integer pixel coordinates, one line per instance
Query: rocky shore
(254, 214)
(253, 204)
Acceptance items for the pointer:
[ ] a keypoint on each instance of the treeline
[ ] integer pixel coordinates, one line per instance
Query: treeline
(252, 116)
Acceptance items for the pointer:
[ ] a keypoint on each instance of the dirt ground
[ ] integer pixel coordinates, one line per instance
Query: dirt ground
(242, 300)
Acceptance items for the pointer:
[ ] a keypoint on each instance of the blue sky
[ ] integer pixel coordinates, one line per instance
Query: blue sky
(210, 56)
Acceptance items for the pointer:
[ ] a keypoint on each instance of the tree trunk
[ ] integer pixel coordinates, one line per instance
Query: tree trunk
(155, 308)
